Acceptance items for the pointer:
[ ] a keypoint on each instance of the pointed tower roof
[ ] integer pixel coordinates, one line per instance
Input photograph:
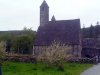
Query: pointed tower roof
(44, 3)
(53, 18)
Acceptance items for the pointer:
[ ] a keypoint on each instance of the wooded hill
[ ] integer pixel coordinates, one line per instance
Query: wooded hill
(91, 32)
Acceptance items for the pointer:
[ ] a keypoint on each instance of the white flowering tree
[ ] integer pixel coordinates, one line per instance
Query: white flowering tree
(2, 53)
(55, 54)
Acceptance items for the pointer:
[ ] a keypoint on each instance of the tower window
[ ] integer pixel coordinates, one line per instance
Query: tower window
(42, 8)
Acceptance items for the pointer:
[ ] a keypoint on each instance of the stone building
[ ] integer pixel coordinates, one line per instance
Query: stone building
(66, 31)
(90, 47)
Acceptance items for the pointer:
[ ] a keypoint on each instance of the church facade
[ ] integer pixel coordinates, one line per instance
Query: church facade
(66, 31)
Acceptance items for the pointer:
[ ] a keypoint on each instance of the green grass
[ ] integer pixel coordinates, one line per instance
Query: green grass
(19, 68)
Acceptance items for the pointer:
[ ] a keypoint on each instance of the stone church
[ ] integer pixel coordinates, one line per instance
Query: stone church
(66, 31)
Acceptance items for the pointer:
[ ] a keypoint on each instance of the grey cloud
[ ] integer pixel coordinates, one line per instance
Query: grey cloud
(15, 14)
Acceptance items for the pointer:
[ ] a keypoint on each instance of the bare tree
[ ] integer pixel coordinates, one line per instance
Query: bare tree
(55, 54)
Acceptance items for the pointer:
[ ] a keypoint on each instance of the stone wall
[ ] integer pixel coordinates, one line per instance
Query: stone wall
(74, 51)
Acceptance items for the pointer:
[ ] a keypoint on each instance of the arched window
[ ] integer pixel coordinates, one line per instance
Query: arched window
(42, 8)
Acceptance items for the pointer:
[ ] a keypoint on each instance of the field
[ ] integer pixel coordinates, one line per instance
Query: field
(19, 68)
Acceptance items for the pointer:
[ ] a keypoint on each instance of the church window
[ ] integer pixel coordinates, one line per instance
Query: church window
(42, 8)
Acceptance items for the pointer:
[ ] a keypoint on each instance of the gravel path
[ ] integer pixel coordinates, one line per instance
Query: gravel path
(95, 70)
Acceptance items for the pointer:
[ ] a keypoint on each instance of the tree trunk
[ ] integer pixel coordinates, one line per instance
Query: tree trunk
(0, 71)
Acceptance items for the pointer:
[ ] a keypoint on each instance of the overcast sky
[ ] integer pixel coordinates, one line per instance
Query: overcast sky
(17, 14)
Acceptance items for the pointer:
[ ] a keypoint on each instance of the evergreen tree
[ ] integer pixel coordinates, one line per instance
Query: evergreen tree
(92, 34)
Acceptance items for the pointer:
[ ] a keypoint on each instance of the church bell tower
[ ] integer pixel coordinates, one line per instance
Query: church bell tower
(44, 13)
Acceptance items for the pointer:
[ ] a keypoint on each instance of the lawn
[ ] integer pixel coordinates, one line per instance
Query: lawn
(19, 68)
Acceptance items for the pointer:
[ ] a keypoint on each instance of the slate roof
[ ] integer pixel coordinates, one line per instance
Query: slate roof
(64, 31)
(88, 42)
(91, 43)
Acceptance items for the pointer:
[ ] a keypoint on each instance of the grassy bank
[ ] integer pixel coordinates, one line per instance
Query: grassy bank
(19, 68)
